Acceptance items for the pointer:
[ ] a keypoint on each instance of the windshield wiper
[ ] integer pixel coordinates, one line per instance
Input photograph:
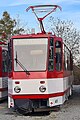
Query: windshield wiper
(21, 65)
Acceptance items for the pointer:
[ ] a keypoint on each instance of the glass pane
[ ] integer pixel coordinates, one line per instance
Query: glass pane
(32, 54)
(4, 61)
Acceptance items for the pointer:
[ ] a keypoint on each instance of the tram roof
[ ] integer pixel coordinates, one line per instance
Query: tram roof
(38, 35)
(2, 43)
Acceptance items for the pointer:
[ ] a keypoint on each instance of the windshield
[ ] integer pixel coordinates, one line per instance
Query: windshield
(32, 53)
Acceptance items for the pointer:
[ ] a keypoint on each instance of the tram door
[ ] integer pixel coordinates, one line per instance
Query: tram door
(51, 55)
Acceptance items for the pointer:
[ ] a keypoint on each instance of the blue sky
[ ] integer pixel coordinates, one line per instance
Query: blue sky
(70, 10)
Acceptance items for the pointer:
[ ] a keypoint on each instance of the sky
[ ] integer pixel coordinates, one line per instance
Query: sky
(70, 10)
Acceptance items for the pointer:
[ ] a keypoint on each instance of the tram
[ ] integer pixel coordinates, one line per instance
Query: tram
(3, 71)
(40, 70)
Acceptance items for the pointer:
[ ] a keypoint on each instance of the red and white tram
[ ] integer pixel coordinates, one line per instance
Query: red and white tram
(40, 71)
(3, 71)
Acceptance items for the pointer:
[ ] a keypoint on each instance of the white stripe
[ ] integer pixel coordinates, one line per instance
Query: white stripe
(31, 86)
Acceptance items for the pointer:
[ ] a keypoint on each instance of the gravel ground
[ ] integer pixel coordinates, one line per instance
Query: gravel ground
(69, 111)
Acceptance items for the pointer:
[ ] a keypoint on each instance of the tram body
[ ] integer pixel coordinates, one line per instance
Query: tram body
(40, 72)
(3, 71)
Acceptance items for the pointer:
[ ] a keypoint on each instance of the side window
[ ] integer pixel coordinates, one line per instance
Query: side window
(51, 56)
(58, 53)
(4, 60)
(71, 61)
(67, 58)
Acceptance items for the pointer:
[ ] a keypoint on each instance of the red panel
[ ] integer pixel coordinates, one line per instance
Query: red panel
(33, 75)
(55, 74)
(4, 74)
(40, 75)
(36, 75)
(3, 89)
(37, 96)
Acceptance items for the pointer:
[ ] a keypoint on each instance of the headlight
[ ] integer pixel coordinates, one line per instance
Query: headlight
(17, 89)
(42, 88)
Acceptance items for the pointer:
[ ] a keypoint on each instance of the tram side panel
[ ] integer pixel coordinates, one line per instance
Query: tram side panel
(68, 70)
(63, 73)
(3, 74)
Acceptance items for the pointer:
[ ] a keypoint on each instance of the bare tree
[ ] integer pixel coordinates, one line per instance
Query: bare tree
(66, 30)
(21, 26)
